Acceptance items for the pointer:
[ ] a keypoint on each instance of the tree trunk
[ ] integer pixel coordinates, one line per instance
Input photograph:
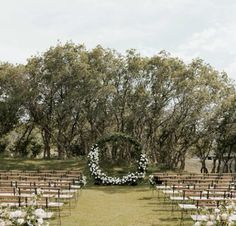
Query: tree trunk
(230, 166)
(60, 151)
(182, 162)
(46, 135)
(214, 165)
(219, 165)
(225, 167)
(234, 164)
(204, 168)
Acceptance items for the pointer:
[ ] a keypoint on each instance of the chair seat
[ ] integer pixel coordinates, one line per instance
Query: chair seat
(188, 206)
(178, 198)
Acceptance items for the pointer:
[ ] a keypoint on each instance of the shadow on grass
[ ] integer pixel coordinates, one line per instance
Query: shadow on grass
(146, 198)
(169, 219)
(112, 189)
(163, 209)
(176, 221)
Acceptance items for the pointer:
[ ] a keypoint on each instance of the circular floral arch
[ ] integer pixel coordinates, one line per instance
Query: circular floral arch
(131, 178)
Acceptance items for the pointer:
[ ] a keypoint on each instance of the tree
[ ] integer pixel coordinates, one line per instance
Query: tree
(11, 92)
(75, 96)
(226, 135)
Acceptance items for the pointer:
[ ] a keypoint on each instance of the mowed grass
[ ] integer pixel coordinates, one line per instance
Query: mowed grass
(35, 164)
(122, 206)
(107, 205)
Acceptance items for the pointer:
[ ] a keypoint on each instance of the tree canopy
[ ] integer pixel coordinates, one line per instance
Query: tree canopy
(65, 99)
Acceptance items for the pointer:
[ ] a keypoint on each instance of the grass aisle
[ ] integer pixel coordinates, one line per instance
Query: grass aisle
(108, 205)
(120, 206)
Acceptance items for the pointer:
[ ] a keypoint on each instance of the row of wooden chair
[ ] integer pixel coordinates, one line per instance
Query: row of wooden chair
(189, 192)
(56, 189)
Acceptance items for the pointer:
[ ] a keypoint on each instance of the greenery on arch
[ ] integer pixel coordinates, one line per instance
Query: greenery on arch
(119, 139)
(101, 177)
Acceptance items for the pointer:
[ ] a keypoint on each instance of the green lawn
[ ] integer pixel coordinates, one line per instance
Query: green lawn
(107, 205)
(34, 164)
(122, 206)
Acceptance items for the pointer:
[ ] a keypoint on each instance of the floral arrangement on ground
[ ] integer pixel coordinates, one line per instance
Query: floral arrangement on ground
(29, 215)
(221, 216)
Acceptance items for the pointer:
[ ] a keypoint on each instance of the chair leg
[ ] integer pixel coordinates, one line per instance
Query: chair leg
(59, 216)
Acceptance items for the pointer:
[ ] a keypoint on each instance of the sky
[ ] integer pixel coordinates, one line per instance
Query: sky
(185, 28)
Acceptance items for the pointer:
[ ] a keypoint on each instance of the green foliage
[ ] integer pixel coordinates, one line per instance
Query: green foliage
(11, 91)
(3, 146)
(73, 97)
(131, 148)
(36, 148)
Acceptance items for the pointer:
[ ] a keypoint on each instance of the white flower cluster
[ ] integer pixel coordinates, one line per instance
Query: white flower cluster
(25, 216)
(152, 180)
(219, 216)
(131, 178)
(83, 181)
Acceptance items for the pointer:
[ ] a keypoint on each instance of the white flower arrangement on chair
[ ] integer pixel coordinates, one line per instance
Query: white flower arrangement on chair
(221, 216)
(24, 216)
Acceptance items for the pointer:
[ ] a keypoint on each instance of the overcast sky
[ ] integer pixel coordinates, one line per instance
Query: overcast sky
(185, 28)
